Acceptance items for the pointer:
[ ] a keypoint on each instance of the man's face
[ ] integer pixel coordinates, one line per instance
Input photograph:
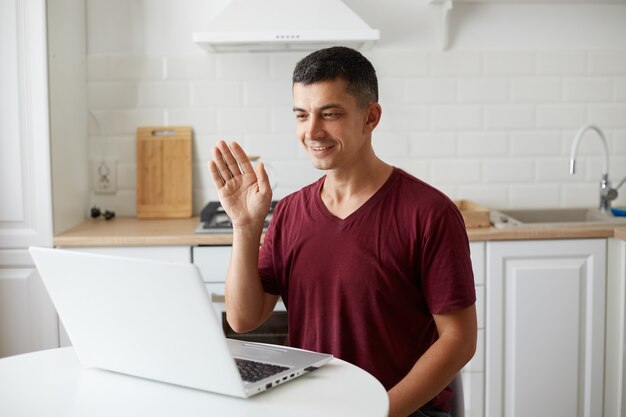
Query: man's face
(330, 125)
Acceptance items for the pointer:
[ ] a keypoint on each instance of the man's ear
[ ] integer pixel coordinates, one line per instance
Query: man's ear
(373, 112)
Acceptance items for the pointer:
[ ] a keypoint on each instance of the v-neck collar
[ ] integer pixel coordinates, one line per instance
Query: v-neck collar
(375, 198)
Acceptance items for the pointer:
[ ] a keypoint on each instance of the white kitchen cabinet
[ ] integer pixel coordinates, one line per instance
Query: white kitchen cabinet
(615, 364)
(473, 374)
(212, 262)
(27, 319)
(545, 328)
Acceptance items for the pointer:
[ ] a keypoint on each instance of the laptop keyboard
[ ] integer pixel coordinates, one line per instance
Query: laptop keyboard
(252, 371)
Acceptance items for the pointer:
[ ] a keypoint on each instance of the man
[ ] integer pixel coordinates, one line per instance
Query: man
(372, 264)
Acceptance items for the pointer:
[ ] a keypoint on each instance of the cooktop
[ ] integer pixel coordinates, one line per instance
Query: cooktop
(213, 219)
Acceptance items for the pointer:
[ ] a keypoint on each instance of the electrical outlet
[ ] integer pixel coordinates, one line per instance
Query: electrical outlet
(104, 176)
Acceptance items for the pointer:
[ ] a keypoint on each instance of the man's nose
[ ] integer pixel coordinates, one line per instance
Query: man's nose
(315, 128)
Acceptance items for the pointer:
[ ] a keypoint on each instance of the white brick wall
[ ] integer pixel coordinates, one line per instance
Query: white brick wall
(494, 126)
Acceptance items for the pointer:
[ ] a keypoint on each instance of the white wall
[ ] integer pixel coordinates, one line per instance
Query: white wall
(67, 40)
(491, 119)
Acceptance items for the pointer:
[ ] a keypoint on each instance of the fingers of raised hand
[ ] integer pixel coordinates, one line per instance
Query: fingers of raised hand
(241, 157)
(215, 174)
(226, 164)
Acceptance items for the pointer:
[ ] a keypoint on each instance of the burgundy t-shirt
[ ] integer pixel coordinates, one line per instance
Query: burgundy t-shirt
(364, 288)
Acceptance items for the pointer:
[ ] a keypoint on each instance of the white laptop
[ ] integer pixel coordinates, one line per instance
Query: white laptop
(155, 320)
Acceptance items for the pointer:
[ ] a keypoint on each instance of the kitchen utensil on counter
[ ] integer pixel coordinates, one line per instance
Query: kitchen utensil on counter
(164, 176)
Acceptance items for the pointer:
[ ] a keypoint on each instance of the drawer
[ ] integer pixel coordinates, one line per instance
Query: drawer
(212, 262)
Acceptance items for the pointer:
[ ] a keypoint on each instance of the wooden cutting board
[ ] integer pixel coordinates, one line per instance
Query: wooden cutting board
(164, 176)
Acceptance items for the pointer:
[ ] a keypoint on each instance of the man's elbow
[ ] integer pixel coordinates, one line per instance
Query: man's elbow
(241, 323)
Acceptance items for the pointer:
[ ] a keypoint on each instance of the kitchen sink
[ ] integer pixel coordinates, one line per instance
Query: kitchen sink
(553, 217)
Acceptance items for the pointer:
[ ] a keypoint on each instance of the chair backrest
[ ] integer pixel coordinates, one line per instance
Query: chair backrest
(457, 403)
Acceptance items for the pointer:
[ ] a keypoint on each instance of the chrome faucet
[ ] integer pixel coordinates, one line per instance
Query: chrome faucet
(607, 194)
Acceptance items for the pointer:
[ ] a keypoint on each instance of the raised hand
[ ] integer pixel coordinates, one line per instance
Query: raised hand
(245, 194)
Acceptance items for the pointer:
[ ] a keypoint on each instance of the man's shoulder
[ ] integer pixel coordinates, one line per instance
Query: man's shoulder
(416, 190)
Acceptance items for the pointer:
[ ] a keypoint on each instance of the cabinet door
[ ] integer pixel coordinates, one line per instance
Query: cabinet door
(213, 262)
(474, 372)
(615, 362)
(545, 328)
(26, 208)
(27, 321)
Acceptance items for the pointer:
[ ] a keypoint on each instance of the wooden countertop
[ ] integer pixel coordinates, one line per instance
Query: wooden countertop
(181, 232)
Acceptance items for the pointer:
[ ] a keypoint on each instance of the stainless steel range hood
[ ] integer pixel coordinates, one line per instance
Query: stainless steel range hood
(274, 25)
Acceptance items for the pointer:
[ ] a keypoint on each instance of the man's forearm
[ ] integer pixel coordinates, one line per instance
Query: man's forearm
(437, 366)
(244, 291)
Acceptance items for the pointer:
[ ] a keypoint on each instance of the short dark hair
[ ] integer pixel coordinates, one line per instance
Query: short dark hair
(340, 62)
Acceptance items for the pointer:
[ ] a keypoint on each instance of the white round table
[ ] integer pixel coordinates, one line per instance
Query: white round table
(53, 383)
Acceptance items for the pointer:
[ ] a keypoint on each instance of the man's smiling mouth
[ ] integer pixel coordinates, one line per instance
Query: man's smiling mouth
(321, 148)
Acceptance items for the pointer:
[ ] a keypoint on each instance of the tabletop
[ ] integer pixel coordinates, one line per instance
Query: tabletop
(53, 383)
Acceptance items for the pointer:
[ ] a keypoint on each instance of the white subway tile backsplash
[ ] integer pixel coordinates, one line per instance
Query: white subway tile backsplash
(268, 93)
(283, 63)
(126, 122)
(457, 64)
(608, 115)
(494, 126)
(120, 148)
(202, 120)
(508, 170)
(483, 144)
(190, 67)
(419, 168)
(620, 89)
(535, 143)
(619, 142)
(556, 170)
(456, 117)
(487, 195)
(201, 148)
(295, 174)
(607, 62)
(399, 63)
(244, 120)
(432, 144)
(272, 147)
(126, 176)
(216, 94)
(123, 202)
(389, 145)
(509, 63)
(483, 90)
(535, 90)
(563, 116)
(587, 89)
(404, 119)
(164, 94)
(580, 195)
(534, 196)
(562, 63)
(509, 116)
(243, 66)
(391, 91)
(428, 90)
(456, 171)
(124, 67)
(283, 119)
(112, 95)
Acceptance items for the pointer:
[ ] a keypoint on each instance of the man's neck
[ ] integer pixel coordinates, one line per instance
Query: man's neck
(345, 191)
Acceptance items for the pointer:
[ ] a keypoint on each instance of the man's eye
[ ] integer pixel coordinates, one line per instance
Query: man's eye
(300, 116)
(330, 115)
